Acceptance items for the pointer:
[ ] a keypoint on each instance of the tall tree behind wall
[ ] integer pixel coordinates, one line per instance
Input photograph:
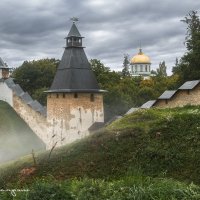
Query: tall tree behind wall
(188, 67)
(36, 76)
(125, 70)
(162, 70)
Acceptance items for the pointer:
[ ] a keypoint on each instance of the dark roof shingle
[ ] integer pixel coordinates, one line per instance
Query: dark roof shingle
(74, 73)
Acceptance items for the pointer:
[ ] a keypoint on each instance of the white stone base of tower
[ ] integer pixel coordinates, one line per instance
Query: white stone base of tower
(70, 116)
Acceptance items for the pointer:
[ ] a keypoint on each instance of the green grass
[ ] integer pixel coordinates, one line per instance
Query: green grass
(161, 144)
(16, 138)
(135, 187)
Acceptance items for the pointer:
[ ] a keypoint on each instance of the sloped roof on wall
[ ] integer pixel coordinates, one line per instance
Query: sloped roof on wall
(26, 97)
(148, 104)
(10, 83)
(167, 94)
(189, 85)
(35, 105)
(17, 89)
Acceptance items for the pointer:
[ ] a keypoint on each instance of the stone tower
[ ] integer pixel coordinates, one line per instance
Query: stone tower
(74, 101)
(4, 70)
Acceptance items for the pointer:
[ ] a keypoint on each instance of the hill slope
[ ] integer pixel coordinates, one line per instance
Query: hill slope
(152, 143)
(16, 138)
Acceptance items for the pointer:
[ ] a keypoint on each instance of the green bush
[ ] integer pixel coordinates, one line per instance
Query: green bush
(49, 191)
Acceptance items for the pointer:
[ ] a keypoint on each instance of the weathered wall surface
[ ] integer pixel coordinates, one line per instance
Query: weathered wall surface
(181, 98)
(70, 117)
(33, 114)
(35, 120)
(6, 94)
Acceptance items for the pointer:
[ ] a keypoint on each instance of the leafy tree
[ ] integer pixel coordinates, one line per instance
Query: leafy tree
(40, 95)
(36, 76)
(162, 70)
(105, 77)
(145, 94)
(189, 66)
(176, 62)
(125, 71)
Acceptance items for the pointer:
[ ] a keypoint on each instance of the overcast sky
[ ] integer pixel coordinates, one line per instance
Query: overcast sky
(36, 29)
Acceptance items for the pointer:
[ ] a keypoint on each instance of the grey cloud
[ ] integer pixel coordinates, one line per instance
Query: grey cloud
(35, 29)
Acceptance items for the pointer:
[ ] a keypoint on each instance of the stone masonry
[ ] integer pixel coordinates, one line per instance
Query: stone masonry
(70, 115)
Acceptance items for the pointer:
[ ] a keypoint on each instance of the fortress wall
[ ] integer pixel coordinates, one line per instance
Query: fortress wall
(181, 98)
(35, 120)
(6, 93)
(71, 117)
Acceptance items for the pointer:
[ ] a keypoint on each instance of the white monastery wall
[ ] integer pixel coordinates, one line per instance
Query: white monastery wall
(6, 93)
(10, 93)
(35, 120)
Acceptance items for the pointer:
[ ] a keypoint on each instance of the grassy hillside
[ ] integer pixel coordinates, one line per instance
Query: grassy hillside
(16, 138)
(151, 146)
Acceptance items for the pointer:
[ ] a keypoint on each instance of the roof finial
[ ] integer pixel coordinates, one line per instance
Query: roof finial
(74, 19)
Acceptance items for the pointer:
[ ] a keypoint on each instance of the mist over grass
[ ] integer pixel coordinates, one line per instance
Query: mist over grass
(16, 138)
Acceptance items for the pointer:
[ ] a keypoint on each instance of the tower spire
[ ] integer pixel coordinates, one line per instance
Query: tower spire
(74, 72)
(74, 38)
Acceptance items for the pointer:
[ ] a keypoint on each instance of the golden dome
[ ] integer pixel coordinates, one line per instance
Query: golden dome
(140, 58)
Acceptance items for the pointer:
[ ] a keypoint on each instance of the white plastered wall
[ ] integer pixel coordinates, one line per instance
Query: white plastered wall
(64, 132)
(69, 119)
(6, 94)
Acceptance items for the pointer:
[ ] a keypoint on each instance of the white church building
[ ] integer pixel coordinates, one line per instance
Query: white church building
(140, 65)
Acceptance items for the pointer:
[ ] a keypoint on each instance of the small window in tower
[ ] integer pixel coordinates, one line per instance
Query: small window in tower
(75, 95)
(57, 95)
(92, 97)
(63, 95)
(49, 95)
(146, 68)
(79, 40)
